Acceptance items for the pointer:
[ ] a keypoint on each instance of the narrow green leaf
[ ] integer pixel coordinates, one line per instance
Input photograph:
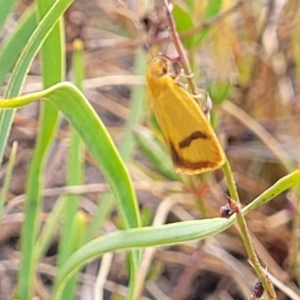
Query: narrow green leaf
(50, 227)
(75, 241)
(138, 238)
(184, 22)
(6, 7)
(212, 9)
(153, 150)
(7, 179)
(34, 44)
(279, 187)
(69, 100)
(219, 91)
(12, 48)
(25, 59)
(75, 171)
(72, 103)
(8, 56)
(137, 108)
(52, 65)
(166, 234)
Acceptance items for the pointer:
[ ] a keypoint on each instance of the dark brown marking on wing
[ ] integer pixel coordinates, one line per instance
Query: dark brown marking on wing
(195, 135)
(190, 167)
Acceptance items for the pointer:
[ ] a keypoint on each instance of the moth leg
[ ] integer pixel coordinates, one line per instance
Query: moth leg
(182, 74)
(181, 84)
(181, 78)
(175, 69)
(204, 101)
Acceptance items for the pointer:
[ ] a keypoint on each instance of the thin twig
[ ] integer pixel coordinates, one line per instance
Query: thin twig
(179, 48)
(245, 234)
(268, 286)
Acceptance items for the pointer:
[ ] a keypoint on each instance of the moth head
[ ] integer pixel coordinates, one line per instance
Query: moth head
(158, 67)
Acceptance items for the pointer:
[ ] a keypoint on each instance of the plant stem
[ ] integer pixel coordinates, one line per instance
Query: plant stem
(179, 48)
(260, 272)
(267, 284)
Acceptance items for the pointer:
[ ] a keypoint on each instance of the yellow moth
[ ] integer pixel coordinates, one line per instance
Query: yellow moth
(191, 141)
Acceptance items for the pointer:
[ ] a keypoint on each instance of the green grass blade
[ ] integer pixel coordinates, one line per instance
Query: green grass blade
(155, 152)
(76, 108)
(53, 50)
(164, 235)
(212, 9)
(75, 170)
(13, 47)
(75, 241)
(69, 100)
(280, 186)
(7, 179)
(18, 75)
(52, 72)
(138, 238)
(104, 207)
(6, 7)
(8, 56)
(137, 105)
(50, 227)
(34, 44)
(184, 22)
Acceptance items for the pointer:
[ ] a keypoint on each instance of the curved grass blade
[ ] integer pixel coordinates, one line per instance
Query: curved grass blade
(72, 103)
(11, 49)
(18, 75)
(53, 68)
(7, 178)
(6, 7)
(74, 176)
(127, 145)
(8, 56)
(163, 235)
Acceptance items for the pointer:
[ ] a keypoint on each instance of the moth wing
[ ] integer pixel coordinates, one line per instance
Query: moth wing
(191, 141)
